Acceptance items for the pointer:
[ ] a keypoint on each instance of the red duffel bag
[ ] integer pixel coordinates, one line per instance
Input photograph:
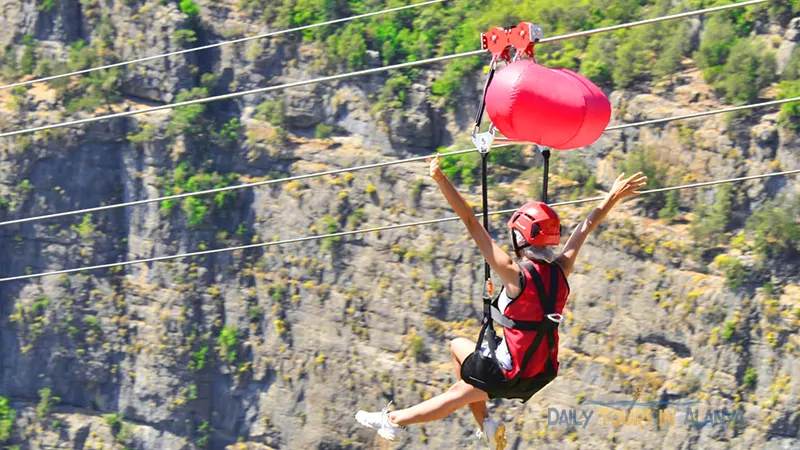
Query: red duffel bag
(555, 108)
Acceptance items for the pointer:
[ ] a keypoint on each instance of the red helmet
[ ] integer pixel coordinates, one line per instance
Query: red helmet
(537, 223)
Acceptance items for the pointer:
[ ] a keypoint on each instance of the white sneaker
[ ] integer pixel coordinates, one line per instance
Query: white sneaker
(379, 421)
(493, 433)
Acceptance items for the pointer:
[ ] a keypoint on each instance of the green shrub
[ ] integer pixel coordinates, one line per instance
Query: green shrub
(671, 205)
(204, 431)
(24, 187)
(790, 112)
(715, 46)
(349, 46)
(28, 59)
(728, 330)
(9, 65)
(449, 84)
(748, 70)
(323, 131)
(199, 359)
(777, 232)
(91, 90)
(393, 93)
(356, 218)
(416, 190)
(330, 225)
(92, 322)
(792, 70)
(46, 403)
(113, 420)
(189, 7)
(86, 228)
(189, 119)
(676, 46)
(634, 58)
(645, 160)
(577, 171)
(124, 435)
(534, 177)
(466, 167)
(600, 58)
(40, 305)
(306, 12)
(272, 111)
(254, 313)
(197, 209)
(146, 133)
(561, 54)
(184, 37)
(276, 291)
(18, 98)
(750, 377)
(733, 270)
(712, 220)
(229, 133)
(461, 168)
(7, 417)
(228, 341)
(416, 347)
(47, 5)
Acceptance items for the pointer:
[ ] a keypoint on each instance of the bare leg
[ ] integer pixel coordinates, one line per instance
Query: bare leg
(460, 348)
(441, 406)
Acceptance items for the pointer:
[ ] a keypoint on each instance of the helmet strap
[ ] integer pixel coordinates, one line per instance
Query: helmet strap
(518, 247)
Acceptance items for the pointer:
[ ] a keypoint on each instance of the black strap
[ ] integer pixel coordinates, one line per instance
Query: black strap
(488, 326)
(508, 322)
(492, 336)
(537, 281)
(487, 329)
(551, 344)
(479, 114)
(537, 342)
(548, 301)
(550, 306)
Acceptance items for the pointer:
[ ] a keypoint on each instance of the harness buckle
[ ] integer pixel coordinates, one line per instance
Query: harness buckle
(556, 317)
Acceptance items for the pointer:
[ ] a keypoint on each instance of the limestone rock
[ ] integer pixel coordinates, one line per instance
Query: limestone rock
(304, 107)
(417, 123)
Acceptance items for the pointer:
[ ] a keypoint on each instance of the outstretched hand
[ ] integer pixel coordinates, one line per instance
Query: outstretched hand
(627, 187)
(435, 172)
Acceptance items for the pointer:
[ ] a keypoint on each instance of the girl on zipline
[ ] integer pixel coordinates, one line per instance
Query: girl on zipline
(529, 309)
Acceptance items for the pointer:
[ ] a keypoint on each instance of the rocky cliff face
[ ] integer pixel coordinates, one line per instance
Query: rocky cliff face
(278, 347)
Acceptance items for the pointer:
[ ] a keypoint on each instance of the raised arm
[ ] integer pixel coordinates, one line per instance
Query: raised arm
(623, 188)
(499, 260)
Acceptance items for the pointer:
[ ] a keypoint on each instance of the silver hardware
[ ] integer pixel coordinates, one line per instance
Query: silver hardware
(556, 317)
(483, 141)
(535, 32)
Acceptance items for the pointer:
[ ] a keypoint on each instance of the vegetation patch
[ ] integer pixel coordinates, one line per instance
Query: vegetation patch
(197, 209)
(7, 417)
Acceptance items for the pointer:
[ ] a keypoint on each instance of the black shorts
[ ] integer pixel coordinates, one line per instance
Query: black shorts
(485, 374)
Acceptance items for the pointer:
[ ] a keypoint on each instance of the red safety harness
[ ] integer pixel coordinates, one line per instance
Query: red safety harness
(531, 324)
